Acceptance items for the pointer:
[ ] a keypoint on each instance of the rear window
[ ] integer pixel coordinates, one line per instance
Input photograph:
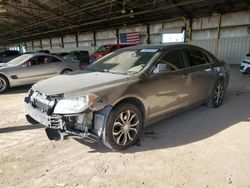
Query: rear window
(54, 59)
(84, 53)
(196, 57)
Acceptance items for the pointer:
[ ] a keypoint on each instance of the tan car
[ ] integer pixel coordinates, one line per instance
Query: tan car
(112, 100)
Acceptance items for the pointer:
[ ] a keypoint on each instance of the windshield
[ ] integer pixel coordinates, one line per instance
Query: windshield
(103, 48)
(124, 62)
(19, 59)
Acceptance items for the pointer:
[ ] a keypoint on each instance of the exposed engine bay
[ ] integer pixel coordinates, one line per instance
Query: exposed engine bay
(87, 125)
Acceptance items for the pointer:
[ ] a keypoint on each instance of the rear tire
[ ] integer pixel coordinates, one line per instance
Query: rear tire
(124, 126)
(217, 96)
(4, 84)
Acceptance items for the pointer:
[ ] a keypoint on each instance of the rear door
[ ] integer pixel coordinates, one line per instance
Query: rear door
(56, 66)
(202, 75)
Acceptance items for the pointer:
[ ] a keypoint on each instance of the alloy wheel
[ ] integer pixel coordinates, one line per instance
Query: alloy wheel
(125, 127)
(219, 94)
(3, 84)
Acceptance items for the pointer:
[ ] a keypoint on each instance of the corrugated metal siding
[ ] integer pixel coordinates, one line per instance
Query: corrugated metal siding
(206, 44)
(233, 50)
(155, 39)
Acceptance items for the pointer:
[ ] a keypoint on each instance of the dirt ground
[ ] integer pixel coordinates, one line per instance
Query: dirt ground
(201, 147)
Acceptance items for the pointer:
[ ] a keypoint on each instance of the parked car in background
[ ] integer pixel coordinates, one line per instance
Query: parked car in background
(112, 100)
(43, 51)
(105, 49)
(245, 64)
(62, 54)
(82, 56)
(30, 68)
(8, 55)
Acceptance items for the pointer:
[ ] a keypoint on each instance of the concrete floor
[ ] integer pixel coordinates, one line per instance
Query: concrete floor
(201, 147)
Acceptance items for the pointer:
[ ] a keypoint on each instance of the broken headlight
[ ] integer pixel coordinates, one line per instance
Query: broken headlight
(74, 105)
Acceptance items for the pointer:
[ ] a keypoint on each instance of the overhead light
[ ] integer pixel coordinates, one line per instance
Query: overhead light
(131, 15)
(123, 11)
(2, 9)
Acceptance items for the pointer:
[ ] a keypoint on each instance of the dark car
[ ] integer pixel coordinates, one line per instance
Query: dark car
(112, 100)
(82, 56)
(43, 51)
(8, 55)
(62, 54)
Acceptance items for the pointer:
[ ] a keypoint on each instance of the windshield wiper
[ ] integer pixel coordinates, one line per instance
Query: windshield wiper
(113, 72)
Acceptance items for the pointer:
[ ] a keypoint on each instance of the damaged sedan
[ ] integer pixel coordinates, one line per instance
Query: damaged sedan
(112, 100)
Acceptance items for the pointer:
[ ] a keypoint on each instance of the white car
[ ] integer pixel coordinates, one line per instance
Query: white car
(245, 64)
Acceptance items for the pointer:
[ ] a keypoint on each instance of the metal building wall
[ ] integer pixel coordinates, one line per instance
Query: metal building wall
(234, 37)
(233, 50)
(233, 42)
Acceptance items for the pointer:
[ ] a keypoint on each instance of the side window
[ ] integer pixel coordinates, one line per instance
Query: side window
(172, 61)
(43, 60)
(54, 60)
(84, 53)
(196, 57)
(32, 61)
(113, 48)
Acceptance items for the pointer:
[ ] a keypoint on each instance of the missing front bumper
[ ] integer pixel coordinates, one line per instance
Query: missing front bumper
(56, 134)
(57, 127)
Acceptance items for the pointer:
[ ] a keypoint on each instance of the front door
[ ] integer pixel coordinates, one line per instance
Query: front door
(168, 85)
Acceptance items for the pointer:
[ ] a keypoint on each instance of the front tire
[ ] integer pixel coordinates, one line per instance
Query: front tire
(4, 84)
(124, 126)
(217, 96)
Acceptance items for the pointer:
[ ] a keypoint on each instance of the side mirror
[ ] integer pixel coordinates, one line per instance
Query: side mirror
(161, 67)
(25, 65)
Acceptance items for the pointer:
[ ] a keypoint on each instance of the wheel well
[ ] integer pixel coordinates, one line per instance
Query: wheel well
(65, 70)
(136, 102)
(5, 78)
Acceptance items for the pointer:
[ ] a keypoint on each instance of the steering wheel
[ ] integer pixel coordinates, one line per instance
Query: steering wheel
(170, 64)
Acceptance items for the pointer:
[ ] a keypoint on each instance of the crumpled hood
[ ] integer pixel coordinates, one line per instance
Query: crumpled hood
(76, 82)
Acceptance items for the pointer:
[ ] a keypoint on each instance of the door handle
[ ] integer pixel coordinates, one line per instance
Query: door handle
(185, 76)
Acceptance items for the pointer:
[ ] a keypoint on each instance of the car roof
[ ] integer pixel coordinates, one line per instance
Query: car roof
(44, 54)
(162, 46)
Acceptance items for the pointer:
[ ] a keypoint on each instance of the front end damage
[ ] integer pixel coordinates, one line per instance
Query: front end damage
(88, 124)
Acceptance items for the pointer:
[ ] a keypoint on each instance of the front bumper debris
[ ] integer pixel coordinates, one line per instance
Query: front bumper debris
(59, 128)
(44, 119)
